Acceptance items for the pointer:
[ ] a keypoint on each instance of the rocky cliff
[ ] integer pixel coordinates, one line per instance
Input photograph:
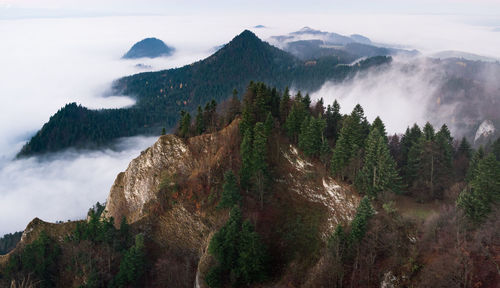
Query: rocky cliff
(170, 193)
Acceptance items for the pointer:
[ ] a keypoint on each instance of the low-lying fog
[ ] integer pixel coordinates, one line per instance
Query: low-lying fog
(46, 63)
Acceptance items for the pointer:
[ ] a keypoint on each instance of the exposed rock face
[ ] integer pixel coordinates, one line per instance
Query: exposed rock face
(305, 180)
(136, 186)
(485, 130)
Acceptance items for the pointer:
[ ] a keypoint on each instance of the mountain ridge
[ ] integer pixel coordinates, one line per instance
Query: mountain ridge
(162, 95)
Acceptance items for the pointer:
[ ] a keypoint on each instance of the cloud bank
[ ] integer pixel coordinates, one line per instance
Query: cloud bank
(47, 63)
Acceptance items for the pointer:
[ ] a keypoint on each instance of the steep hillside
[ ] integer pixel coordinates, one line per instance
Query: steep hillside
(161, 95)
(269, 195)
(170, 191)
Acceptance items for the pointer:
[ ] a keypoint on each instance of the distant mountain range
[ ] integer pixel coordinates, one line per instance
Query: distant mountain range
(162, 95)
(149, 48)
(308, 43)
(464, 55)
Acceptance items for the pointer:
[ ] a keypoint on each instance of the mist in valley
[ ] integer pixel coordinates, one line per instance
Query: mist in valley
(47, 63)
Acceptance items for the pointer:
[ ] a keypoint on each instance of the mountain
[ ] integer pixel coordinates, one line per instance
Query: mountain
(148, 48)
(462, 55)
(183, 215)
(308, 43)
(160, 96)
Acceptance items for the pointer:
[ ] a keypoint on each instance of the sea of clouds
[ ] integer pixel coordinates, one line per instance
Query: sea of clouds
(46, 63)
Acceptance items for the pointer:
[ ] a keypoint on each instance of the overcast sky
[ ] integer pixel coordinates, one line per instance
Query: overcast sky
(50, 8)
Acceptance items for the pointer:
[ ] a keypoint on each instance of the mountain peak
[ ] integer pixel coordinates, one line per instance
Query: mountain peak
(149, 48)
(246, 35)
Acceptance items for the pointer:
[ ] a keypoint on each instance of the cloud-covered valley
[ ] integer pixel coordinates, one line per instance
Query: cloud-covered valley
(47, 63)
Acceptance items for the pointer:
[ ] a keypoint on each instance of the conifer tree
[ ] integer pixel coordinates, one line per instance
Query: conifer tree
(269, 124)
(410, 154)
(185, 124)
(465, 149)
(262, 102)
(259, 160)
(474, 162)
(484, 190)
(445, 151)
(246, 159)
(311, 136)
(285, 104)
(307, 101)
(346, 159)
(428, 132)
(495, 149)
(132, 266)
(275, 103)
(378, 124)
(379, 172)
(230, 191)
(199, 122)
(359, 224)
(333, 121)
(325, 153)
(304, 135)
(462, 159)
(251, 262)
(234, 107)
(241, 256)
(294, 120)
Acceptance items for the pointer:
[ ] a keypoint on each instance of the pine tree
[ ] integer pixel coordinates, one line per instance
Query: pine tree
(325, 153)
(378, 124)
(294, 120)
(428, 132)
(269, 124)
(199, 122)
(474, 162)
(234, 107)
(230, 191)
(262, 102)
(241, 257)
(185, 124)
(246, 171)
(462, 159)
(495, 148)
(333, 121)
(444, 167)
(285, 104)
(304, 135)
(259, 160)
(210, 116)
(410, 154)
(306, 101)
(275, 103)
(379, 171)
(484, 190)
(465, 149)
(132, 266)
(346, 159)
(251, 264)
(359, 224)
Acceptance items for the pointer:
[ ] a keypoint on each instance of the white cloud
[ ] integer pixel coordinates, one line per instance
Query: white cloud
(399, 95)
(61, 186)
